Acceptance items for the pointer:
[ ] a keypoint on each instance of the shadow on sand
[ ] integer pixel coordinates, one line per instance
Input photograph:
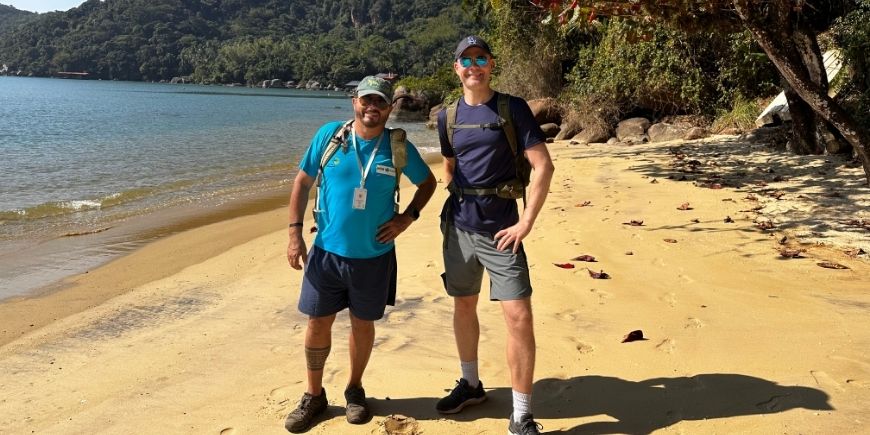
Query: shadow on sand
(637, 407)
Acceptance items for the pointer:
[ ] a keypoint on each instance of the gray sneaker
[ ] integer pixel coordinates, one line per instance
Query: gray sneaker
(526, 426)
(461, 396)
(309, 407)
(357, 410)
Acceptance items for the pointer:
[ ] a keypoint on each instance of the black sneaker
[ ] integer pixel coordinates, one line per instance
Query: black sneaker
(461, 396)
(526, 426)
(357, 410)
(309, 407)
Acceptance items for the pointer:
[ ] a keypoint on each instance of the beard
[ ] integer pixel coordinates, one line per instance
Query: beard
(371, 118)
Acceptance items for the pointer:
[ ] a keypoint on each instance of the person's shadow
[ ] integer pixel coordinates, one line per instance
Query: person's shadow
(637, 407)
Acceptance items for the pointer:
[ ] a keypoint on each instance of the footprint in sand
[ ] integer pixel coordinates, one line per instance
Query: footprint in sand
(693, 323)
(284, 393)
(228, 431)
(670, 299)
(603, 296)
(390, 342)
(667, 346)
(582, 347)
(825, 380)
(397, 317)
(568, 316)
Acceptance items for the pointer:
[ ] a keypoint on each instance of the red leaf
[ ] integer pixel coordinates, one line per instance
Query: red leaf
(634, 223)
(830, 265)
(564, 265)
(671, 240)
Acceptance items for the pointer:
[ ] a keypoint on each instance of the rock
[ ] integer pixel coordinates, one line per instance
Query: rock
(732, 131)
(591, 135)
(546, 111)
(566, 131)
(398, 424)
(612, 141)
(695, 133)
(550, 129)
(632, 129)
(663, 132)
(276, 83)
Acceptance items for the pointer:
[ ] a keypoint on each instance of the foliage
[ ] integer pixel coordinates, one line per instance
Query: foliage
(438, 85)
(851, 34)
(11, 18)
(741, 116)
(332, 41)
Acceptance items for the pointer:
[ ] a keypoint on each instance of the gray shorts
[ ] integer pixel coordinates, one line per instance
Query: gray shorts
(467, 254)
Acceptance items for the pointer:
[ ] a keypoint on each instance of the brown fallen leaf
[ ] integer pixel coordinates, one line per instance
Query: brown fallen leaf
(671, 240)
(751, 197)
(765, 225)
(635, 335)
(598, 275)
(564, 265)
(684, 206)
(696, 221)
(634, 223)
(728, 220)
(791, 253)
(654, 181)
(629, 252)
(584, 257)
(583, 204)
(855, 252)
(831, 265)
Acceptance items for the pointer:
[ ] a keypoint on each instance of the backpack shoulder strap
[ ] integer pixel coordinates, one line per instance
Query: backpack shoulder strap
(504, 112)
(451, 121)
(399, 149)
(338, 139)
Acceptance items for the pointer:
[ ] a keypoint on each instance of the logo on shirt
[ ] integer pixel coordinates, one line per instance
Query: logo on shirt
(334, 162)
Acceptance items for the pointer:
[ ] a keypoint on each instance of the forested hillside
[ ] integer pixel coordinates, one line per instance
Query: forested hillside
(226, 41)
(11, 17)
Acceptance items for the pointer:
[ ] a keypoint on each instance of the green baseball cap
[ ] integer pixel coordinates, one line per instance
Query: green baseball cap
(377, 86)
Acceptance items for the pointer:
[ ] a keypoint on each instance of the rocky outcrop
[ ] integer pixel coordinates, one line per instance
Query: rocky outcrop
(546, 110)
(633, 130)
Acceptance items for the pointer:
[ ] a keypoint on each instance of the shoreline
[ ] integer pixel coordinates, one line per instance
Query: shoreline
(738, 338)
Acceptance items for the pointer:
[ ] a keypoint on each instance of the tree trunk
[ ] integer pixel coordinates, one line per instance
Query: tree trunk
(803, 125)
(798, 78)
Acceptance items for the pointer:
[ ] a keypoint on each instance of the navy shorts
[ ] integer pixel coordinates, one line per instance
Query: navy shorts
(332, 283)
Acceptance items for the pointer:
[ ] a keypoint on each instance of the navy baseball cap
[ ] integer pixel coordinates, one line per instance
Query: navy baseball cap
(471, 41)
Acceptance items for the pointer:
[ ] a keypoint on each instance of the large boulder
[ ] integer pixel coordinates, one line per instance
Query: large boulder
(550, 129)
(410, 106)
(632, 130)
(593, 134)
(546, 110)
(696, 133)
(663, 132)
(566, 131)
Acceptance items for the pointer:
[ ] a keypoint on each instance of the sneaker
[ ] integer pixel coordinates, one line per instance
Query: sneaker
(309, 407)
(461, 396)
(526, 426)
(357, 409)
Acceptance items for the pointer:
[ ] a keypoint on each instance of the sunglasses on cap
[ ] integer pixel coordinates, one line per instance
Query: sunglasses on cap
(479, 61)
(373, 100)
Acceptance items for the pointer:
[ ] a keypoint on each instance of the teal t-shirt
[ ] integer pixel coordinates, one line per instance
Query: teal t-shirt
(343, 230)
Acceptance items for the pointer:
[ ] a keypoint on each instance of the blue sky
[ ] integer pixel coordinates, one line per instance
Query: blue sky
(42, 5)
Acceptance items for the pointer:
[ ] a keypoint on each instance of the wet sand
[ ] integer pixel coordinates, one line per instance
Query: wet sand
(198, 332)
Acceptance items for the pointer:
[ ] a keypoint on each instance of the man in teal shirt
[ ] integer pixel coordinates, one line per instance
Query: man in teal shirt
(353, 262)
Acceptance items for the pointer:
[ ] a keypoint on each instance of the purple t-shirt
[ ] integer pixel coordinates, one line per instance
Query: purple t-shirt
(484, 159)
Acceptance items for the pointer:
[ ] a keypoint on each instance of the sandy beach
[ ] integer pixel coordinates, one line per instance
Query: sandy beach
(199, 332)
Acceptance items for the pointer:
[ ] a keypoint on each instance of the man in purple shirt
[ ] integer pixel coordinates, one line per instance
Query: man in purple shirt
(484, 230)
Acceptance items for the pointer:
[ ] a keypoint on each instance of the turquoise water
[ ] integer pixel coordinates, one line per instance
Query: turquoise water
(81, 157)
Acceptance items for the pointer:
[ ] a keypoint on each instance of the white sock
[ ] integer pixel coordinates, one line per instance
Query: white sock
(469, 373)
(522, 405)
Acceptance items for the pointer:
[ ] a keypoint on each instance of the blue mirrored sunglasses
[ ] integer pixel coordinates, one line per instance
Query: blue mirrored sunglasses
(479, 60)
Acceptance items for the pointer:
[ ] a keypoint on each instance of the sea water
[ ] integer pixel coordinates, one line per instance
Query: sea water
(80, 158)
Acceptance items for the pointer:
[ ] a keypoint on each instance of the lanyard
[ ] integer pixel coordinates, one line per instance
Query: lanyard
(364, 173)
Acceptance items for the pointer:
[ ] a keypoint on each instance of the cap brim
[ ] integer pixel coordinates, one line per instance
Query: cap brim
(374, 92)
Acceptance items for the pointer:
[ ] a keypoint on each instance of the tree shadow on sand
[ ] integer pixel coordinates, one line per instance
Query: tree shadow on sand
(632, 407)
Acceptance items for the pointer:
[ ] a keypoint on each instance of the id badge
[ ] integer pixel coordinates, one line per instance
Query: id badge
(359, 198)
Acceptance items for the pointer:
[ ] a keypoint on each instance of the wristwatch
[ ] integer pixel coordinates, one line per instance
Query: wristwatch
(415, 214)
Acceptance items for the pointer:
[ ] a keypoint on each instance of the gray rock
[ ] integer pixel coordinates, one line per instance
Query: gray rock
(546, 110)
(696, 133)
(550, 129)
(591, 135)
(663, 132)
(632, 128)
(566, 131)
